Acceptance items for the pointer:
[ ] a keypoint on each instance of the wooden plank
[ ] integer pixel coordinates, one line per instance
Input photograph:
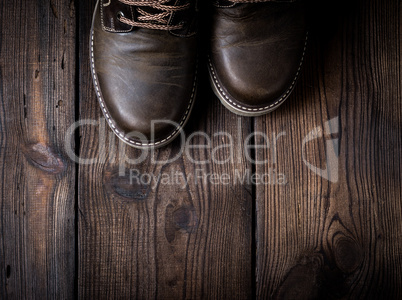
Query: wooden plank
(138, 240)
(339, 238)
(37, 75)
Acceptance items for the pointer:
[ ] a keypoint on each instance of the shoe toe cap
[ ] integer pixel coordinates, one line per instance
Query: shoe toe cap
(257, 68)
(256, 80)
(146, 113)
(146, 83)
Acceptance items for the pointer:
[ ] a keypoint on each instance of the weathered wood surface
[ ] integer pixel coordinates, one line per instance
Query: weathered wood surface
(307, 237)
(340, 239)
(145, 241)
(37, 92)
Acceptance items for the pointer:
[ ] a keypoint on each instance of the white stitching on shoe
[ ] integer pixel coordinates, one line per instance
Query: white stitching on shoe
(277, 103)
(108, 118)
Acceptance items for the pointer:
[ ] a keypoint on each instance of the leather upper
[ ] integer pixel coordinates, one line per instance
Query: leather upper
(256, 49)
(143, 75)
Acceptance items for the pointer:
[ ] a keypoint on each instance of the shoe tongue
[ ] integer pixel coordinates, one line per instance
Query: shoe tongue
(150, 9)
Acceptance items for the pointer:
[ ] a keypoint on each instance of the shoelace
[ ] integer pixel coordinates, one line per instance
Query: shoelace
(145, 18)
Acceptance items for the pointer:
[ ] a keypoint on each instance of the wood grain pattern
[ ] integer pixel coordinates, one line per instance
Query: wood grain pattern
(322, 239)
(37, 78)
(313, 238)
(165, 241)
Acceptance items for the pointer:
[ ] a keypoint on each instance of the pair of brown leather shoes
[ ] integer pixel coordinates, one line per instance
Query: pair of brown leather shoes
(144, 61)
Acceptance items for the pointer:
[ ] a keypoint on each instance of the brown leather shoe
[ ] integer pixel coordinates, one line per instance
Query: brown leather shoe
(143, 60)
(256, 54)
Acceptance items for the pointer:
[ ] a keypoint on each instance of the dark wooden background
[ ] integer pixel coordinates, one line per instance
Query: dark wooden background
(74, 230)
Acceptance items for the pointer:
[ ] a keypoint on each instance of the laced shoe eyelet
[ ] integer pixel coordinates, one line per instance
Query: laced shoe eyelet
(120, 15)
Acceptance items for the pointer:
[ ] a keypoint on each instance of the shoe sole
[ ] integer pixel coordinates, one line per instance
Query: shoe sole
(240, 110)
(111, 122)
